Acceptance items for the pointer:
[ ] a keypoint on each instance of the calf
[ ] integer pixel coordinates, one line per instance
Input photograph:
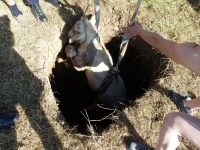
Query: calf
(93, 57)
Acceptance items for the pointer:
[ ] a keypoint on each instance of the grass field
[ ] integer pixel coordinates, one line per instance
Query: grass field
(28, 55)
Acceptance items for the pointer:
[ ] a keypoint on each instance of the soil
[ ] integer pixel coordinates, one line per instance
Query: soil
(139, 68)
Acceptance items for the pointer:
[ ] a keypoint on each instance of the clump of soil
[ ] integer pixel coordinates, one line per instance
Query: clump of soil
(139, 68)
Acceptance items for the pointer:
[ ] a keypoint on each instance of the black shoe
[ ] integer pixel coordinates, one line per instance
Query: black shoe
(179, 100)
(137, 146)
(37, 12)
(56, 3)
(8, 120)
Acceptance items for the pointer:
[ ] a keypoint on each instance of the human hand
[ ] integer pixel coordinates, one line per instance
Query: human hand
(131, 31)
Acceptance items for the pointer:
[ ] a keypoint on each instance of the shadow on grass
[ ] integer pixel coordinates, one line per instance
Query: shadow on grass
(19, 87)
(134, 136)
(194, 4)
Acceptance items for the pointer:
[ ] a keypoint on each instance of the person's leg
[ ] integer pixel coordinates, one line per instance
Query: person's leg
(56, 3)
(175, 126)
(36, 10)
(17, 13)
(13, 7)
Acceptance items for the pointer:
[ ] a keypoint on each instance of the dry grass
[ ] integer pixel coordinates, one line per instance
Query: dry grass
(28, 55)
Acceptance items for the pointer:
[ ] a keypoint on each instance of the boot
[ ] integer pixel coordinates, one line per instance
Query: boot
(56, 3)
(180, 100)
(37, 12)
(8, 120)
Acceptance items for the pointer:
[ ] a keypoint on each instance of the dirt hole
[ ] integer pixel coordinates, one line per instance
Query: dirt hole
(140, 67)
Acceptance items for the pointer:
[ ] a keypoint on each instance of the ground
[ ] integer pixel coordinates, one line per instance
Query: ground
(32, 81)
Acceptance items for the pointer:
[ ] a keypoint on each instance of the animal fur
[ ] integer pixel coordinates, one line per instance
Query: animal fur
(83, 32)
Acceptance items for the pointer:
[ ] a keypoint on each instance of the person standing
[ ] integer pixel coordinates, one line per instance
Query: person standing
(17, 14)
(37, 11)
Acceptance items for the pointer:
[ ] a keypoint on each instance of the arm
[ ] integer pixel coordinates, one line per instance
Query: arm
(186, 54)
(151, 38)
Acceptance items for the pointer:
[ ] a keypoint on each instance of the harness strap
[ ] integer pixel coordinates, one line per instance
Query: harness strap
(90, 54)
(123, 48)
(111, 76)
(125, 39)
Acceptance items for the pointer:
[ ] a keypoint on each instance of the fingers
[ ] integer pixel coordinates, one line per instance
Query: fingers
(121, 31)
(124, 30)
(127, 35)
(134, 23)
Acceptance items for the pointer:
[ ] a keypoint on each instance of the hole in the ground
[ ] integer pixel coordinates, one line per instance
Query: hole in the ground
(140, 67)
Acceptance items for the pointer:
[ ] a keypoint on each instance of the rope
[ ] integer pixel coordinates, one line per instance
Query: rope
(125, 39)
(97, 15)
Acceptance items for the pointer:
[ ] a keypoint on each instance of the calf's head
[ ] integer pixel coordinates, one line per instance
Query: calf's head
(82, 30)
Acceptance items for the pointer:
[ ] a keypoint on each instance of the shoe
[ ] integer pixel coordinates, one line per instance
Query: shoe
(8, 120)
(180, 100)
(37, 12)
(56, 3)
(137, 146)
(22, 20)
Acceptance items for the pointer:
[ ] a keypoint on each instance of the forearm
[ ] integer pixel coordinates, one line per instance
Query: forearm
(151, 38)
(165, 46)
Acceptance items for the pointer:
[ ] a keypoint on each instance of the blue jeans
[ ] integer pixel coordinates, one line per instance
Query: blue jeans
(32, 2)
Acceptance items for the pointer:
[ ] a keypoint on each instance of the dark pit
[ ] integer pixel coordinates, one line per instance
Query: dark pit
(140, 68)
